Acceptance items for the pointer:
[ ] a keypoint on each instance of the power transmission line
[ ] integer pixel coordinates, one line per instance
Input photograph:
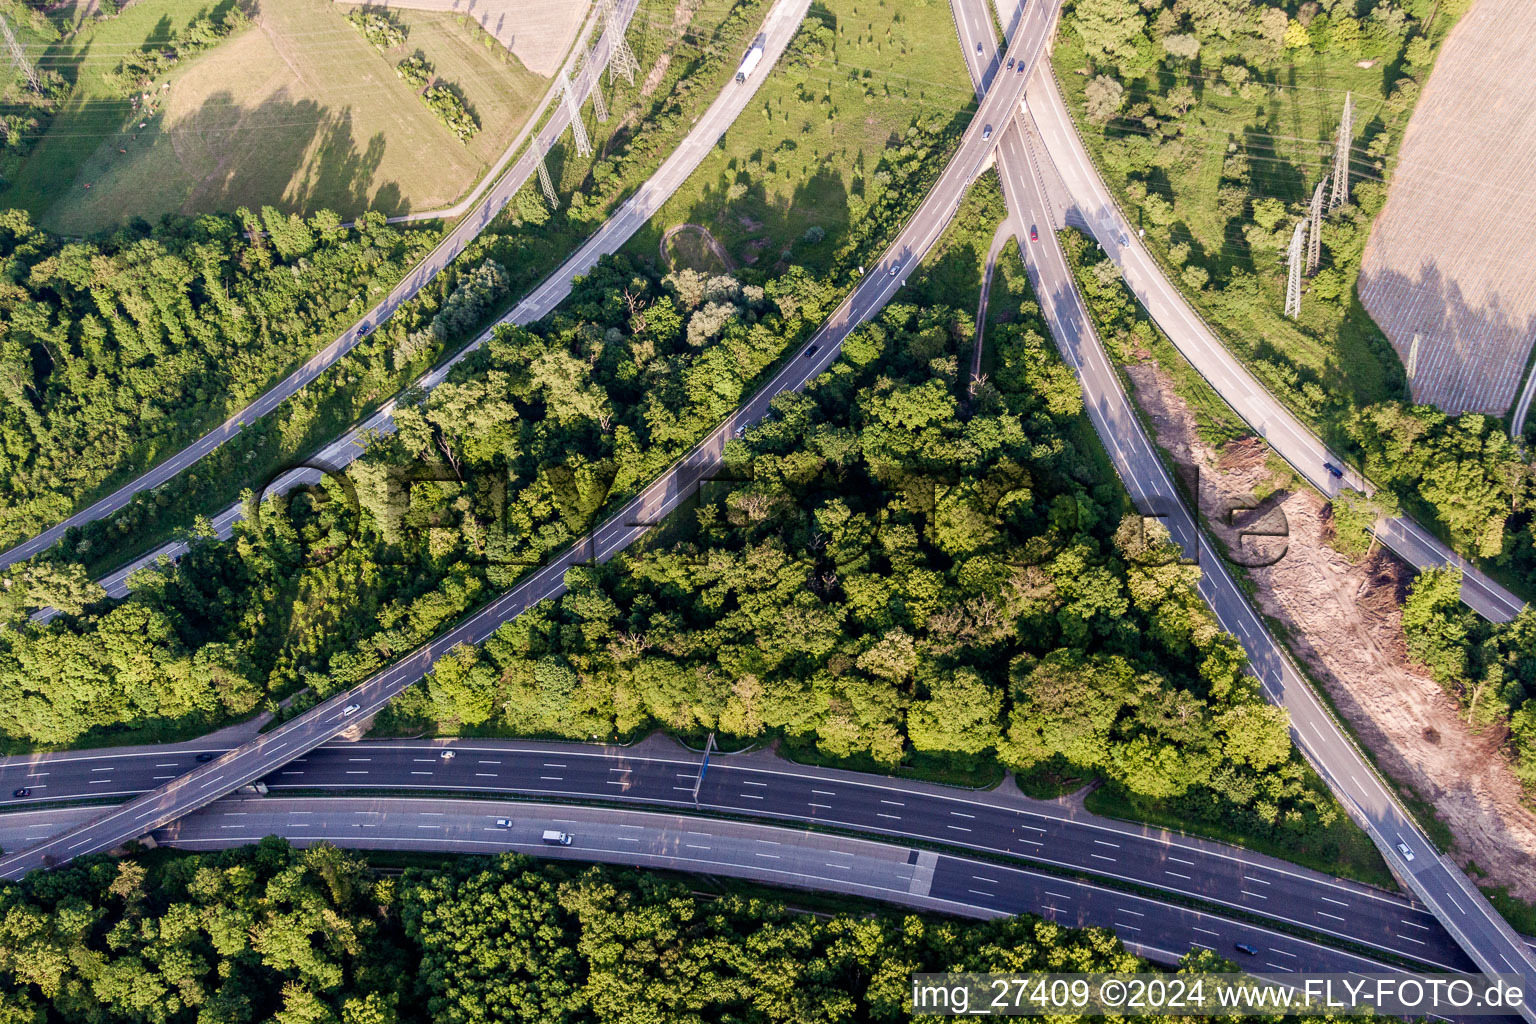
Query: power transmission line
(599, 104)
(1293, 281)
(623, 58)
(1341, 156)
(1315, 228)
(546, 184)
(573, 107)
(19, 57)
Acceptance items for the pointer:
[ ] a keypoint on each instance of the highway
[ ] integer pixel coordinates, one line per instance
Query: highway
(774, 854)
(758, 784)
(1461, 909)
(501, 191)
(1268, 417)
(779, 26)
(300, 735)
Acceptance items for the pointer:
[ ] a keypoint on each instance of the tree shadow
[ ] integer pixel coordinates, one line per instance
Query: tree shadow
(1471, 355)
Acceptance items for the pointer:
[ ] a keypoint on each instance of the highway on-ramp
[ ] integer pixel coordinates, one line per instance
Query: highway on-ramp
(1195, 340)
(502, 190)
(326, 720)
(773, 854)
(1459, 906)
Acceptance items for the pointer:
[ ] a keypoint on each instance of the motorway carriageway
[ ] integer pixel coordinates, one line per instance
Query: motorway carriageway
(760, 785)
(325, 721)
(771, 854)
(455, 241)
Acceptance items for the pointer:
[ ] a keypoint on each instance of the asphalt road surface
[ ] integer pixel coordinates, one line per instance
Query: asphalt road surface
(779, 27)
(1268, 417)
(297, 737)
(772, 854)
(1461, 909)
(501, 192)
(760, 785)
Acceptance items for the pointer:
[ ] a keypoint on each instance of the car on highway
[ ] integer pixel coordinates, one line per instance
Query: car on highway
(206, 756)
(986, 133)
(1010, 63)
(554, 838)
(741, 431)
(812, 351)
(978, 47)
(1333, 471)
(1021, 67)
(23, 791)
(895, 267)
(1243, 947)
(350, 709)
(1125, 239)
(503, 822)
(1034, 236)
(1402, 848)
(447, 755)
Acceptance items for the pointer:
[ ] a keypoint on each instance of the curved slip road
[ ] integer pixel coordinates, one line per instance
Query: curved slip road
(302, 734)
(779, 26)
(1457, 904)
(657, 772)
(1268, 417)
(772, 854)
(501, 191)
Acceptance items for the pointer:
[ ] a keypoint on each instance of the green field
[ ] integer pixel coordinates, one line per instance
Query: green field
(297, 111)
(829, 128)
(1258, 130)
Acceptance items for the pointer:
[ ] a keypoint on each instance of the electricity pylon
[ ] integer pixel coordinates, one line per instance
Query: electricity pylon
(1341, 156)
(573, 107)
(599, 105)
(19, 56)
(1315, 228)
(547, 184)
(1293, 280)
(622, 59)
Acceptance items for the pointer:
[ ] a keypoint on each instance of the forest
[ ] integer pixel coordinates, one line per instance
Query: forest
(892, 568)
(269, 933)
(506, 461)
(1212, 121)
(120, 350)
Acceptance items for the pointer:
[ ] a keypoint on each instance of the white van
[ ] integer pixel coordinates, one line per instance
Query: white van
(557, 838)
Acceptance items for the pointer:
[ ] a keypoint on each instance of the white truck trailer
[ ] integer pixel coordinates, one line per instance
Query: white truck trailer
(751, 60)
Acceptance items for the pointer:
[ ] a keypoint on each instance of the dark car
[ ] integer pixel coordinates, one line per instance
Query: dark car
(206, 756)
(1333, 470)
(986, 133)
(1034, 236)
(1021, 67)
(1010, 63)
(978, 47)
(812, 351)
(1243, 947)
(23, 791)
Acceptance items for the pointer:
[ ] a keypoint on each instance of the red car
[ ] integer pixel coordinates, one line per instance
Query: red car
(1034, 236)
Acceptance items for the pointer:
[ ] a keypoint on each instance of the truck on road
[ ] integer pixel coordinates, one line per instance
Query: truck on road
(752, 59)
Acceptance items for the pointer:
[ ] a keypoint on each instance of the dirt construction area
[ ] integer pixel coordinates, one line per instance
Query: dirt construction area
(1447, 272)
(1345, 622)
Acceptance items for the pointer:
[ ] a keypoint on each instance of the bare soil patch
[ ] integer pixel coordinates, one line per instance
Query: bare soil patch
(1344, 621)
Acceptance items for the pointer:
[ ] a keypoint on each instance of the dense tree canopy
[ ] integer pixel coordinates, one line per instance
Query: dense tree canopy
(506, 461)
(879, 575)
(114, 352)
(267, 933)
